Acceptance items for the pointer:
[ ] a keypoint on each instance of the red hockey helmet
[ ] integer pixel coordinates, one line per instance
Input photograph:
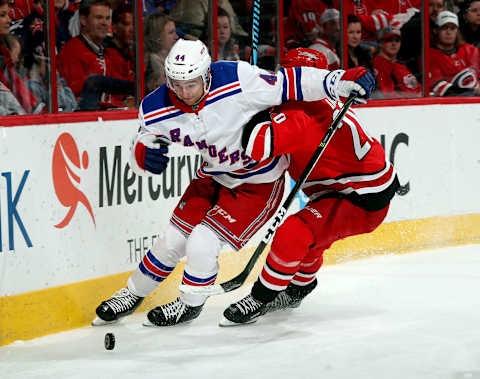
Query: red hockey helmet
(303, 56)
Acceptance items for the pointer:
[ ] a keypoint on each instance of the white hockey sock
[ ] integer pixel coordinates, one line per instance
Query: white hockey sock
(140, 284)
(202, 248)
(158, 263)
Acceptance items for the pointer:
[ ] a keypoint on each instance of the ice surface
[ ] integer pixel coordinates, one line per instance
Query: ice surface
(399, 316)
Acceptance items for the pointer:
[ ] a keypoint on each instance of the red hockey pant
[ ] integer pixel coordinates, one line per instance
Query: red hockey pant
(299, 243)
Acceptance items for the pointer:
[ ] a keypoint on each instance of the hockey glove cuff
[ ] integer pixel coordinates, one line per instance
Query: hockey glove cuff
(362, 78)
(151, 156)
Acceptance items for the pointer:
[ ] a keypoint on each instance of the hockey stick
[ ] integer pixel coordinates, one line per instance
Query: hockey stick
(255, 30)
(237, 281)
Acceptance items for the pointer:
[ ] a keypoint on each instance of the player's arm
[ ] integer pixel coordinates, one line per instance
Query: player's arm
(272, 133)
(263, 88)
(148, 150)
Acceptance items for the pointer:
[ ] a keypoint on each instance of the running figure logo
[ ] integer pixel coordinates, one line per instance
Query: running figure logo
(66, 173)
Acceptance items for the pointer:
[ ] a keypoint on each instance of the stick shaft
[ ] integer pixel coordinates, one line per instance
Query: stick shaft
(255, 30)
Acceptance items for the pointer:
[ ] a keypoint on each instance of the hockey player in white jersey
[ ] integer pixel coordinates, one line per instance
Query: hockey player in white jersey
(205, 106)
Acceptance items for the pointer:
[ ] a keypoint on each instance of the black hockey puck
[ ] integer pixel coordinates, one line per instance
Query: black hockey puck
(109, 341)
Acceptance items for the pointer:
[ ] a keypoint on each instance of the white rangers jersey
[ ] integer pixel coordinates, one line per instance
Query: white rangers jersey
(214, 127)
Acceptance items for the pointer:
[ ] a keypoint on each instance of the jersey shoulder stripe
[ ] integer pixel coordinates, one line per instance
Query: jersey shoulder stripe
(163, 114)
(156, 100)
(223, 92)
(157, 106)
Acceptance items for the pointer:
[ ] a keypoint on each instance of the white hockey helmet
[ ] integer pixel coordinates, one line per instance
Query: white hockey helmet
(188, 60)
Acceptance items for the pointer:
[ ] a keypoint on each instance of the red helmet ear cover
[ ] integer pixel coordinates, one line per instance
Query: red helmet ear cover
(304, 57)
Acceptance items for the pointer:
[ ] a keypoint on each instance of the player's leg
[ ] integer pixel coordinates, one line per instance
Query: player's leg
(343, 219)
(288, 275)
(163, 257)
(234, 218)
(154, 268)
(290, 245)
(201, 268)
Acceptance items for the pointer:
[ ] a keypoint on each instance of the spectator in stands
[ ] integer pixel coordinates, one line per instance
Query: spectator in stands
(371, 16)
(228, 48)
(358, 55)
(470, 22)
(456, 64)
(37, 83)
(5, 20)
(19, 9)
(328, 38)
(192, 17)
(9, 77)
(377, 15)
(9, 105)
(165, 6)
(157, 6)
(32, 30)
(394, 79)
(120, 46)
(15, 49)
(411, 52)
(86, 64)
(159, 37)
(302, 24)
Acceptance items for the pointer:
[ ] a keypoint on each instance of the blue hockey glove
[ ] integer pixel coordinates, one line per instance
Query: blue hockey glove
(152, 159)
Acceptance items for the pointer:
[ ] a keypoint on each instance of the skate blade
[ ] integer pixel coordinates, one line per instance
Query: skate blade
(226, 323)
(212, 290)
(148, 323)
(99, 322)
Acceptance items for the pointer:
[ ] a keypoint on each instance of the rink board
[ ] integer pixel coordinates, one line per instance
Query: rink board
(74, 220)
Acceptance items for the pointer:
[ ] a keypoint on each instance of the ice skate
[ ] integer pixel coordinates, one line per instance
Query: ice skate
(121, 304)
(283, 301)
(173, 313)
(244, 311)
(291, 297)
(248, 310)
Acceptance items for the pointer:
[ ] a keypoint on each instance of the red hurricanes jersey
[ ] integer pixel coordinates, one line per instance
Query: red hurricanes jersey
(394, 79)
(398, 6)
(447, 66)
(371, 23)
(376, 15)
(353, 163)
(76, 61)
(303, 18)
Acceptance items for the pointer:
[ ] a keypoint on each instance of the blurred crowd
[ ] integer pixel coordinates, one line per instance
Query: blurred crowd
(95, 52)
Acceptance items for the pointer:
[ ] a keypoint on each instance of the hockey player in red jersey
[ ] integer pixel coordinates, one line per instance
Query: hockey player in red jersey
(349, 193)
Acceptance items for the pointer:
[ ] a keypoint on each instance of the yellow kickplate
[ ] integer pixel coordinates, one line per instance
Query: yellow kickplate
(70, 306)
